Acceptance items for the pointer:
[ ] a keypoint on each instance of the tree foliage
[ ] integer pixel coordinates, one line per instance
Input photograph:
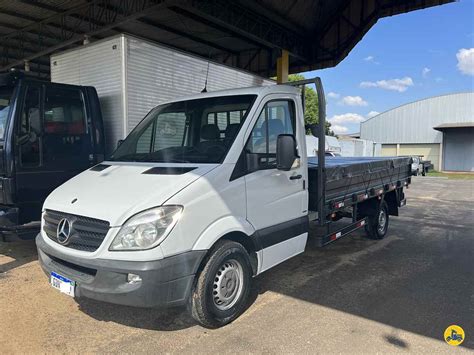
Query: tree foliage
(311, 104)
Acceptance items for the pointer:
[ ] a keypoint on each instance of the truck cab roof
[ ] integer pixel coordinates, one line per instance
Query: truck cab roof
(253, 90)
(13, 77)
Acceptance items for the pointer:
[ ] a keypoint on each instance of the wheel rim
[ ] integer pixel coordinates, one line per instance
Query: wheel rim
(228, 284)
(382, 221)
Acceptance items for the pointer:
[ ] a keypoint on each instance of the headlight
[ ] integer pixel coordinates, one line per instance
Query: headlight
(147, 229)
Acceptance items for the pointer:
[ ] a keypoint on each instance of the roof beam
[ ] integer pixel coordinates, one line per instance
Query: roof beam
(131, 11)
(230, 17)
(186, 35)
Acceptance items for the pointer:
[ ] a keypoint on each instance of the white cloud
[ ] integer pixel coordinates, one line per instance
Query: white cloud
(337, 129)
(371, 59)
(346, 117)
(372, 114)
(353, 101)
(425, 72)
(466, 61)
(399, 85)
(333, 95)
(439, 79)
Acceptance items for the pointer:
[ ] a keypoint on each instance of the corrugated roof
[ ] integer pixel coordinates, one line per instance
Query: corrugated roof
(245, 34)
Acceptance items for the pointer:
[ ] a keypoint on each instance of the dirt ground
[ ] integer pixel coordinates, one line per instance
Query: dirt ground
(354, 296)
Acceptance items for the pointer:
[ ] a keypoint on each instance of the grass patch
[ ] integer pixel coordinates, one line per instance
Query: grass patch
(454, 176)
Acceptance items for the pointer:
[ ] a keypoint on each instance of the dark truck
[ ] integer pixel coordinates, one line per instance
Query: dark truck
(48, 133)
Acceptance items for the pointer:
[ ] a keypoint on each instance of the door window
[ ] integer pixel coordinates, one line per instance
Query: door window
(277, 117)
(30, 129)
(65, 133)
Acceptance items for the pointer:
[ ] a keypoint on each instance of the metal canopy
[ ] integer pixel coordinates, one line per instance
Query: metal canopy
(240, 33)
(446, 126)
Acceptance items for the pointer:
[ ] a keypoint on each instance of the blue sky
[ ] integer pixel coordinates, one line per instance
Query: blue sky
(402, 59)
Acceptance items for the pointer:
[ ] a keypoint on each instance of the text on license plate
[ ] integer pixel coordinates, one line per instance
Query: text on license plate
(63, 284)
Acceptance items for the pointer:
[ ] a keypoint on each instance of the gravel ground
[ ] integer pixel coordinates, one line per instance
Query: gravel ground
(354, 296)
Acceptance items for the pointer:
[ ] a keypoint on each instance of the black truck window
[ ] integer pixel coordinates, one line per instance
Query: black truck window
(65, 130)
(277, 117)
(30, 129)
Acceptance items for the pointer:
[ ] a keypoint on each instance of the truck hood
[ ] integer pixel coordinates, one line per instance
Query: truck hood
(114, 191)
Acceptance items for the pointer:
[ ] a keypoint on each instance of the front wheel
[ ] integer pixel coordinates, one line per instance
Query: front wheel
(223, 286)
(377, 225)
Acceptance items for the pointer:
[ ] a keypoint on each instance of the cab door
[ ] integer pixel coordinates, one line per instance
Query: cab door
(276, 199)
(52, 143)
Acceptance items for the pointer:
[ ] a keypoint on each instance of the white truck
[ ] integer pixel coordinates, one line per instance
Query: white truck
(183, 214)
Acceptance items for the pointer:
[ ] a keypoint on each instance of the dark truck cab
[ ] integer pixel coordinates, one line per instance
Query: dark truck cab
(49, 132)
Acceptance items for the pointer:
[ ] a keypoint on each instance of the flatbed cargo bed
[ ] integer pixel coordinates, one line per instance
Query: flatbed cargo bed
(348, 179)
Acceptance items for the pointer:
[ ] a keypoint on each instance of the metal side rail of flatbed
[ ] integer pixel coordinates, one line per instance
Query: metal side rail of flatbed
(365, 189)
(356, 188)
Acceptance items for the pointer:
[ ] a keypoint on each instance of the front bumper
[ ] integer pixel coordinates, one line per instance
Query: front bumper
(9, 217)
(165, 283)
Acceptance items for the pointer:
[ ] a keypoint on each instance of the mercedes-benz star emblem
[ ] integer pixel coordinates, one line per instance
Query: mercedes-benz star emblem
(64, 231)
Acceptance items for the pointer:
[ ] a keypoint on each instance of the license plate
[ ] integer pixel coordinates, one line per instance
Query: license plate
(63, 284)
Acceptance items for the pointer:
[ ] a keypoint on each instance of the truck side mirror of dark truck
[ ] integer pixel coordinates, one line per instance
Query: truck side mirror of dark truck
(286, 151)
(313, 128)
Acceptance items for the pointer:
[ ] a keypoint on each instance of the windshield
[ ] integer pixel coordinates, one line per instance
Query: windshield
(5, 98)
(194, 131)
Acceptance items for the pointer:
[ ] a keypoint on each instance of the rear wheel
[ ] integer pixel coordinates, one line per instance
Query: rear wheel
(377, 225)
(222, 288)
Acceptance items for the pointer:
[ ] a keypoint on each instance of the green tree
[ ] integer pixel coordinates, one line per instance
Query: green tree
(311, 104)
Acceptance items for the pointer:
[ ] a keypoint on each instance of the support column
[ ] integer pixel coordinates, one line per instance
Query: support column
(283, 67)
(441, 154)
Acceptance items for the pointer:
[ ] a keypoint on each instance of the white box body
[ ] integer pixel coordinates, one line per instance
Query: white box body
(132, 76)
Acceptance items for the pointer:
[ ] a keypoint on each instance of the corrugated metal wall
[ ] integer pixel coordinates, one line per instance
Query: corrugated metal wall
(459, 149)
(414, 122)
(97, 65)
(132, 76)
(156, 74)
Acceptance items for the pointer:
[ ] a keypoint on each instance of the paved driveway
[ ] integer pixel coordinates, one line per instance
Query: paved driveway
(357, 295)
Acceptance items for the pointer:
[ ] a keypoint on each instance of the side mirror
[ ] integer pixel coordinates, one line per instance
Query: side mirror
(286, 151)
(119, 142)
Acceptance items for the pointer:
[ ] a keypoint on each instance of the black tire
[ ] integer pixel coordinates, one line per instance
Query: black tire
(221, 268)
(374, 228)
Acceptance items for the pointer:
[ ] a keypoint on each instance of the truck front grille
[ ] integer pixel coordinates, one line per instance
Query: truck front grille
(85, 233)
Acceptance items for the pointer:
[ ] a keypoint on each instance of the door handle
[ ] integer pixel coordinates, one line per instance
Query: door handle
(296, 177)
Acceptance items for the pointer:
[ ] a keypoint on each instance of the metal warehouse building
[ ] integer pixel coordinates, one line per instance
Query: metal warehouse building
(440, 128)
